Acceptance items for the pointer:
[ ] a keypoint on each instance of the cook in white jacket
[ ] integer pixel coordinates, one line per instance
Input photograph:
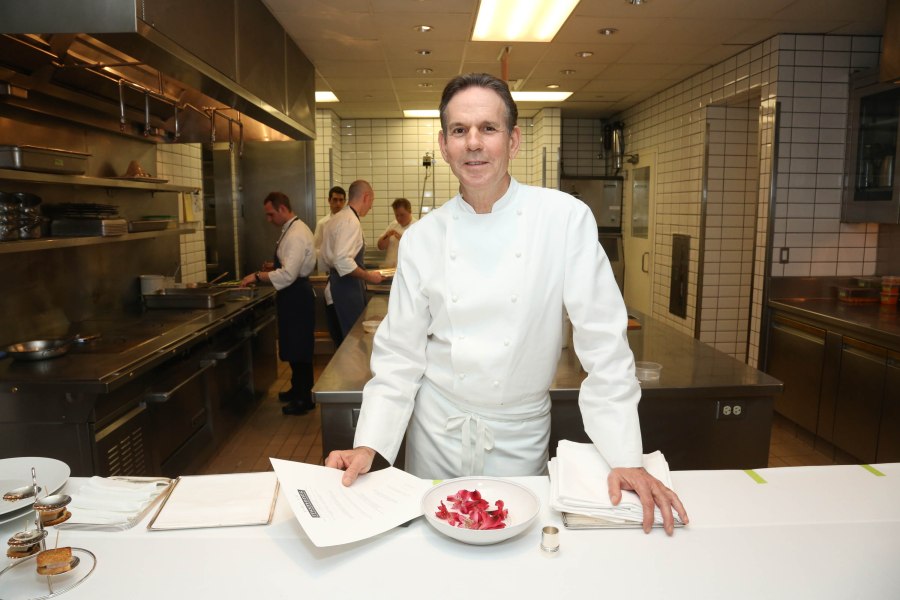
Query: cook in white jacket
(468, 349)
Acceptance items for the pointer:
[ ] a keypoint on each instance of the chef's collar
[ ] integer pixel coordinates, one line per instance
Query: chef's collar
(504, 201)
(288, 224)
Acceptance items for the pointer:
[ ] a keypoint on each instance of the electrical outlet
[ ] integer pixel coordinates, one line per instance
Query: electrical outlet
(729, 409)
(784, 255)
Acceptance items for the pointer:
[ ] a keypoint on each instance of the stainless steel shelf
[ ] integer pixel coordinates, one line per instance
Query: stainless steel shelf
(52, 243)
(84, 180)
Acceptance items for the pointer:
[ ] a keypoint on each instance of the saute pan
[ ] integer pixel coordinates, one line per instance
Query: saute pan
(42, 349)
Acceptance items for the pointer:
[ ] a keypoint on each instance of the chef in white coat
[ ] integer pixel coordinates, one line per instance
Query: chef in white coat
(468, 350)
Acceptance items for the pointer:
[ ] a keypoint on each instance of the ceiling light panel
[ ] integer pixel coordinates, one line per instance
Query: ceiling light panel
(422, 114)
(521, 20)
(322, 97)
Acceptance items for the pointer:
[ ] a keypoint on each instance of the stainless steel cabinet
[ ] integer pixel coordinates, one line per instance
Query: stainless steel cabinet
(859, 399)
(796, 357)
(889, 431)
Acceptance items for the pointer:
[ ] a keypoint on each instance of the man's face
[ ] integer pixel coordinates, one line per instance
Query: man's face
(477, 145)
(277, 217)
(402, 215)
(336, 202)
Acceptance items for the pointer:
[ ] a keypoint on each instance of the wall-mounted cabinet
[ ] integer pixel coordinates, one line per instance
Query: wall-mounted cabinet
(872, 183)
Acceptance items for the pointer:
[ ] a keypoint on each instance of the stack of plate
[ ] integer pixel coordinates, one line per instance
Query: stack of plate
(16, 472)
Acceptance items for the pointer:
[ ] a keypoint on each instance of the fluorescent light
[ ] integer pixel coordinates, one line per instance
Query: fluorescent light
(422, 114)
(326, 97)
(521, 20)
(540, 96)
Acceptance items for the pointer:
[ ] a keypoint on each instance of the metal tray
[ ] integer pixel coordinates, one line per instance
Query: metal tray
(185, 298)
(46, 160)
(152, 225)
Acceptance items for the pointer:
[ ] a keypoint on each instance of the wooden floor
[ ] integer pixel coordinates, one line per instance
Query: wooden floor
(267, 432)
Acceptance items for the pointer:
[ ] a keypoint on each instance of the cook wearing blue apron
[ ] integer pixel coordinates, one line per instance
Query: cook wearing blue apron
(349, 294)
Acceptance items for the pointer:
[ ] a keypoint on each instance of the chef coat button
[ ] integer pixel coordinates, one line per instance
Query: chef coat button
(462, 375)
(453, 256)
(462, 337)
(519, 212)
(518, 255)
(456, 217)
(496, 383)
(506, 342)
(513, 298)
(454, 298)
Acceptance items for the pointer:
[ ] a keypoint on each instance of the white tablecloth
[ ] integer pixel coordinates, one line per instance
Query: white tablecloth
(809, 532)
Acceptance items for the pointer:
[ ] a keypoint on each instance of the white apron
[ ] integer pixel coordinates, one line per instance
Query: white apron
(473, 441)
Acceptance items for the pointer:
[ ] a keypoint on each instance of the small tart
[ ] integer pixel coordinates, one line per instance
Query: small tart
(54, 562)
(65, 516)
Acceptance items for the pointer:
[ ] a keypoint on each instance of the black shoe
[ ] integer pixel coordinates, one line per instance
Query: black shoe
(288, 396)
(293, 408)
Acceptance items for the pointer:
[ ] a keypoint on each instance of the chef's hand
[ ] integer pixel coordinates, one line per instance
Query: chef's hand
(652, 493)
(375, 277)
(353, 462)
(248, 280)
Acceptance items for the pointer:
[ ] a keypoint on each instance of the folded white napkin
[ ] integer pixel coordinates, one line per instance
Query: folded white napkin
(103, 501)
(578, 484)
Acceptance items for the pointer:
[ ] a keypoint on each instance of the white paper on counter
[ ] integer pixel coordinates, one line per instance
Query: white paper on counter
(332, 514)
(218, 501)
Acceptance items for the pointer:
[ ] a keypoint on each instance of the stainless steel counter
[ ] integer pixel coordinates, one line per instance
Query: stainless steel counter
(873, 322)
(680, 414)
(129, 346)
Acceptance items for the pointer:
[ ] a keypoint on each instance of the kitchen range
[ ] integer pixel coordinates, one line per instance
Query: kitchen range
(151, 394)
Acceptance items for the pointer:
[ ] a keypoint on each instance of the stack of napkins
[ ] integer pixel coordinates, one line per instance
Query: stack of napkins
(578, 484)
(114, 502)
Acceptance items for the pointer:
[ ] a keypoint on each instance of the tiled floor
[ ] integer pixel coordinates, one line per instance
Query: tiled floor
(266, 432)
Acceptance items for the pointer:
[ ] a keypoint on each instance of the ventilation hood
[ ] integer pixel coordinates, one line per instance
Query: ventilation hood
(165, 70)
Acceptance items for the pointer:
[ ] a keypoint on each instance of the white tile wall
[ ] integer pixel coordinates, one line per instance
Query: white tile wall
(388, 153)
(807, 75)
(181, 165)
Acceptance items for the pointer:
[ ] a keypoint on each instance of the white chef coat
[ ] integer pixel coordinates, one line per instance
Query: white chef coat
(342, 239)
(295, 252)
(320, 227)
(390, 255)
(471, 341)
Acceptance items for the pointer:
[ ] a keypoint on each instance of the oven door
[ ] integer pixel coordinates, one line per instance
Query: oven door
(179, 404)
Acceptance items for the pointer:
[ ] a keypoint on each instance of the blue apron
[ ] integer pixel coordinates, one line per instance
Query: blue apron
(349, 293)
(296, 317)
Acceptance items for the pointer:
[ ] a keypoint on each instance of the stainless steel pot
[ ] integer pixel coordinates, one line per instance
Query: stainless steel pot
(44, 349)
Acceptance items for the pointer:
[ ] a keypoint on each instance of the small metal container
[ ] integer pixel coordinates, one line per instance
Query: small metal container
(550, 539)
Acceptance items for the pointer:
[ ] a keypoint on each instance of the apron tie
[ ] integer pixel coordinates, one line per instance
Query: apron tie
(476, 438)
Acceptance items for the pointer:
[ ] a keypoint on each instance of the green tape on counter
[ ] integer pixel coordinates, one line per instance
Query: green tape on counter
(873, 470)
(755, 476)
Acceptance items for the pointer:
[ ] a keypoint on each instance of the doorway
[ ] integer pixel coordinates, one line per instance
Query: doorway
(637, 231)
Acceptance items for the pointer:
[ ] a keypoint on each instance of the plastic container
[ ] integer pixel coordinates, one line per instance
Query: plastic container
(150, 284)
(647, 371)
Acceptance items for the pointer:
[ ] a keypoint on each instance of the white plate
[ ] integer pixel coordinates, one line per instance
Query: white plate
(523, 506)
(52, 474)
(22, 513)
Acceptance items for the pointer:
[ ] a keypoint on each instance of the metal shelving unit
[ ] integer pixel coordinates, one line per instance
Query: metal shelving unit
(51, 243)
(84, 180)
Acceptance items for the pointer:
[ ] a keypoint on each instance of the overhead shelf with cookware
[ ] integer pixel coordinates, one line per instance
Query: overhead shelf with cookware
(26, 222)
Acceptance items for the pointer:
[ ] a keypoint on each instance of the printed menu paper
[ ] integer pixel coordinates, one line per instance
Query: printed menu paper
(332, 514)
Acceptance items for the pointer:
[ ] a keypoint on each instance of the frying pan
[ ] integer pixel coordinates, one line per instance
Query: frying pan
(43, 349)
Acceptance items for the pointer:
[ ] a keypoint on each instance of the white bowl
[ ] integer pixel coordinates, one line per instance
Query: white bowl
(370, 326)
(523, 506)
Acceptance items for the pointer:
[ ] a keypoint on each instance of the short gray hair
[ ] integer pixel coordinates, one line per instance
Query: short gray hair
(482, 80)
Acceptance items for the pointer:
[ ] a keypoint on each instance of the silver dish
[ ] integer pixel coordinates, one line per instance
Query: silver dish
(54, 502)
(20, 493)
(23, 539)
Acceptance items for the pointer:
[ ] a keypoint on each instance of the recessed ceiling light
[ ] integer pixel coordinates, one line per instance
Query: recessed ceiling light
(510, 21)
(425, 84)
(540, 96)
(326, 97)
(553, 86)
(584, 54)
(422, 114)
(422, 28)
(425, 71)
(636, 2)
(568, 71)
(608, 31)
(423, 51)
